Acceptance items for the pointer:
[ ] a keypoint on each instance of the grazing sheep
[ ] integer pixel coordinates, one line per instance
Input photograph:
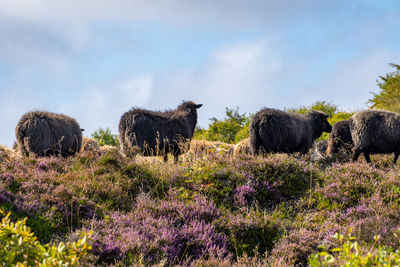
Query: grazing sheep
(44, 134)
(340, 138)
(90, 145)
(375, 131)
(243, 147)
(203, 147)
(319, 150)
(273, 130)
(158, 133)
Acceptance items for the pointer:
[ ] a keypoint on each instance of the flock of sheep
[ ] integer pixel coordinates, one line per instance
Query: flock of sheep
(161, 133)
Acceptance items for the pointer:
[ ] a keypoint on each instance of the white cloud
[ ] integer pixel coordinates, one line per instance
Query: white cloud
(224, 12)
(102, 106)
(241, 74)
(40, 46)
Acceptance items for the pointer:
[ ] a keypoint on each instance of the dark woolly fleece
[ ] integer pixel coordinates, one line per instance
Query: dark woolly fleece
(375, 131)
(158, 132)
(340, 138)
(274, 130)
(44, 133)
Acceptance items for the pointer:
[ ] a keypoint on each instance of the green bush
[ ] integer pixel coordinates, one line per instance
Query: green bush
(231, 129)
(323, 106)
(20, 247)
(352, 253)
(105, 137)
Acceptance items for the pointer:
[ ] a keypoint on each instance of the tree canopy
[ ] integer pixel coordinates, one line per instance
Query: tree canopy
(389, 95)
(105, 137)
(233, 128)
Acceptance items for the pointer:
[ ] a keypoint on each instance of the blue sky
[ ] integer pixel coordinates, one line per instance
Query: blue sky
(95, 59)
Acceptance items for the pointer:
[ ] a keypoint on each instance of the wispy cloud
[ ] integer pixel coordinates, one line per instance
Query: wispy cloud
(224, 11)
(102, 106)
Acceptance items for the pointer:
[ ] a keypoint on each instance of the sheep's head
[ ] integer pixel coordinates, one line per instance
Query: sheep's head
(320, 118)
(189, 106)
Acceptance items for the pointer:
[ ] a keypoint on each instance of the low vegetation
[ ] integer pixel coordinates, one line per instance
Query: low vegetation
(209, 208)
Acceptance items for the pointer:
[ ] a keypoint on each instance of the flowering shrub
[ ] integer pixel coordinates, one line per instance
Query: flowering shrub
(250, 232)
(210, 208)
(170, 229)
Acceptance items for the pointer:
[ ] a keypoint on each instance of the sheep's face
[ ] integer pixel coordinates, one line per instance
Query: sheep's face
(190, 106)
(321, 119)
(334, 145)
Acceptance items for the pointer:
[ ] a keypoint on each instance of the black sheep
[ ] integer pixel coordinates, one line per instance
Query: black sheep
(340, 138)
(375, 131)
(273, 130)
(44, 134)
(158, 132)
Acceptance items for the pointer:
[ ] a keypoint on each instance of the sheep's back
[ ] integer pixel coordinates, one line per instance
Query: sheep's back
(377, 131)
(39, 132)
(151, 128)
(281, 130)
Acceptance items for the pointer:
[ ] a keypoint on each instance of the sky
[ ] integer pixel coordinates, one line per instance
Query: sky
(95, 59)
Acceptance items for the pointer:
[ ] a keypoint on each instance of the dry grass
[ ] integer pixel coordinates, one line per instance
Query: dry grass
(89, 145)
(7, 153)
(243, 147)
(108, 148)
(203, 146)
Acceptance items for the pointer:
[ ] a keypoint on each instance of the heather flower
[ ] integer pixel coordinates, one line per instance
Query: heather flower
(5, 195)
(7, 178)
(171, 229)
(243, 194)
(295, 248)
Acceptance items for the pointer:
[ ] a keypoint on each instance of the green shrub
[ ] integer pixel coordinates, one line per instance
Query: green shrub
(19, 246)
(233, 128)
(105, 137)
(352, 253)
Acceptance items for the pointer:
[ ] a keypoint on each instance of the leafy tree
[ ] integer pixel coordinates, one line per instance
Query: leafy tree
(229, 130)
(244, 132)
(323, 106)
(389, 96)
(105, 137)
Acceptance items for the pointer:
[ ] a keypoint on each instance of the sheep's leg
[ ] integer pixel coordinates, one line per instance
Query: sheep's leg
(356, 154)
(367, 158)
(176, 158)
(255, 144)
(396, 156)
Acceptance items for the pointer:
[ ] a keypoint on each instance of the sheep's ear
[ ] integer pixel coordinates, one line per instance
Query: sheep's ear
(82, 130)
(199, 105)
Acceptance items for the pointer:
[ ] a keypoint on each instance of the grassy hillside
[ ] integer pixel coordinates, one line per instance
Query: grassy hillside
(210, 208)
